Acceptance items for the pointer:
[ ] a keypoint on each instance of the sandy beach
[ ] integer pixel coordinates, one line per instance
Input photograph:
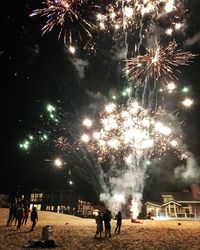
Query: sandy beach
(70, 232)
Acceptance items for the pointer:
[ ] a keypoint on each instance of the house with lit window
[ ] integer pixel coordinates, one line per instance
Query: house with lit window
(51, 200)
(85, 208)
(61, 201)
(185, 204)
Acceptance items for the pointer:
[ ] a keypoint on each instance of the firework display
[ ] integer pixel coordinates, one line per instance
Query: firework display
(159, 63)
(129, 131)
(45, 132)
(67, 14)
(128, 14)
(117, 144)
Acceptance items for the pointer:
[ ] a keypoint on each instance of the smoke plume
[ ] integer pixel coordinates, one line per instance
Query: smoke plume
(188, 171)
(80, 66)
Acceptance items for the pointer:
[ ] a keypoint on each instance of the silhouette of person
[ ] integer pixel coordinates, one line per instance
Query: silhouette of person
(99, 222)
(20, 214)
(119, 222)
(34, 218)
(11, 214)
(107, 219)
(26, 215)
(14, 218)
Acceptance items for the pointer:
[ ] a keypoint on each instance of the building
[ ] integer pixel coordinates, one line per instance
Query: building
(185, 204)
(50, 200)
(61, 201)
(87, 209)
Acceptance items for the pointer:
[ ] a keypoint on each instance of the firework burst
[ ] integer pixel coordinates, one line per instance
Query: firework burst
(61, 143)
(129, 131)
(159, 63)
(64, 144)
(70, 15)
(129, 13)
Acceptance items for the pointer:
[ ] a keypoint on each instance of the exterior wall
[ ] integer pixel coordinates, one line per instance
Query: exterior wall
(61, 201)
(155, 211)
(167, 198)
(172, 210)
(185, 208)
(85, 209)
(191, 210)
(195, 189)
(56, 201)
(196, 209)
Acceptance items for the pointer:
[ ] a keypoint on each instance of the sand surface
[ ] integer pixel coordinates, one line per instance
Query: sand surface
(72, 233)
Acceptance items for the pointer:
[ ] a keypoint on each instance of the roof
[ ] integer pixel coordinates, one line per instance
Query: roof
(153, 203)
(189, 202)
(179, 196)
(174, 202)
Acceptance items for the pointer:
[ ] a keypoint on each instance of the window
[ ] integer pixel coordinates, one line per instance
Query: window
(48, 208)
(167, 198)
(187, 210)
(38, 206)
(36, 197)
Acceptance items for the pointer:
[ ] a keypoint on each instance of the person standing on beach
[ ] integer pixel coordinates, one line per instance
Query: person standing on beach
(14, 218)
(107, 219)
(34, 218)
(99, 222)
(20, 214)
(11, 214)
(26, 215)
(119, 222)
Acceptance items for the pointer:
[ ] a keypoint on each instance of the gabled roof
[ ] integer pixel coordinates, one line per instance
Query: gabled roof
(169, 202)
(153, 204)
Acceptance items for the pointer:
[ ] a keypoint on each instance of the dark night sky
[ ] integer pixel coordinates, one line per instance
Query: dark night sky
(36, 70)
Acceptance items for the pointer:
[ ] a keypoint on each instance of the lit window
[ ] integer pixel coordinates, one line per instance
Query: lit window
(36, 197)
(38, 206)
(48, 208)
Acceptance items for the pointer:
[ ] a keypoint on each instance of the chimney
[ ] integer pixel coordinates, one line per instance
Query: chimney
(195, 189)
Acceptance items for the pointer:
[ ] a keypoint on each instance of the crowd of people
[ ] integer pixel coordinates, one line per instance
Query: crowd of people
(19, 215)
(105, 219)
